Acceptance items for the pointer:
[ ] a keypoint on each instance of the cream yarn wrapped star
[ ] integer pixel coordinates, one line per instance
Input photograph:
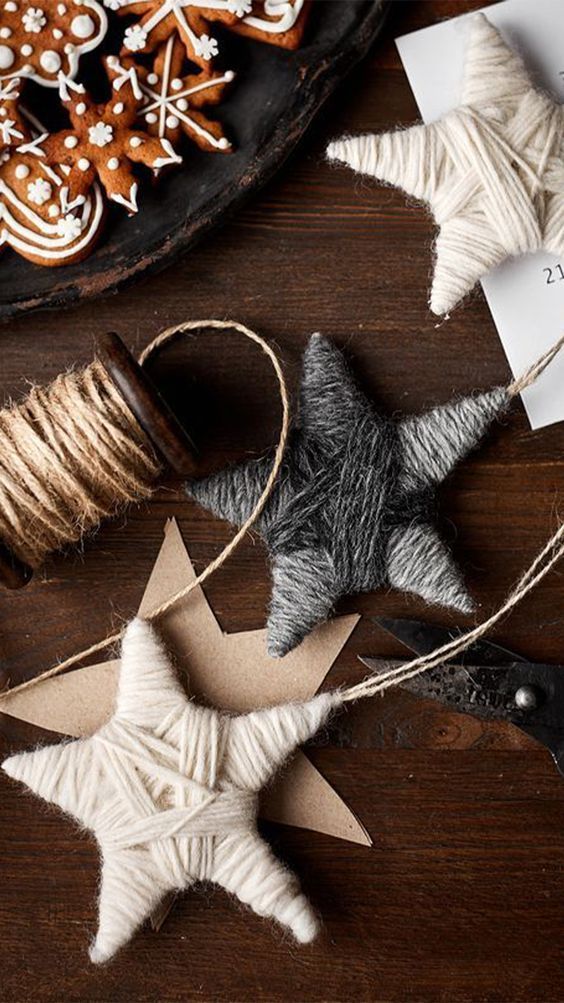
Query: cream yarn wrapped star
(491, 171)
(170, 791)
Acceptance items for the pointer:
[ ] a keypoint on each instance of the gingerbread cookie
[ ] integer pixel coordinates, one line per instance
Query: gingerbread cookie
(159, 19)
(279, 22)
(103, 142)
(172, 101)
(38, 219)
(44, 41)
(13, 129)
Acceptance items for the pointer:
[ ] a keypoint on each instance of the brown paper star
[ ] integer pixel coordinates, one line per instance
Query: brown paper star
(230, 671)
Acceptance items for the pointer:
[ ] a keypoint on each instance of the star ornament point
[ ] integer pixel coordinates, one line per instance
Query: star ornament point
(169, 789)
(490, 171)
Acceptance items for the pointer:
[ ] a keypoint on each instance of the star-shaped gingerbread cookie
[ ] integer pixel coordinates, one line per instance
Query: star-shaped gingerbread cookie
(104, 142)
(491, 171)
(352, 509)
(173, 102)
(169, 789)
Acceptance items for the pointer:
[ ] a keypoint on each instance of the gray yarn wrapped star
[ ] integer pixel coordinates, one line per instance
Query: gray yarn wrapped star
(352, 509)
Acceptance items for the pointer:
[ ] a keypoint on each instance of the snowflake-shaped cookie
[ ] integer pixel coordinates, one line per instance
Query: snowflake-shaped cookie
(46, 40)
(172, 102)
(103, 142)
(190, 18)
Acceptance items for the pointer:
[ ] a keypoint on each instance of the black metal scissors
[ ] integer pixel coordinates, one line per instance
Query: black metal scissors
(487, 681)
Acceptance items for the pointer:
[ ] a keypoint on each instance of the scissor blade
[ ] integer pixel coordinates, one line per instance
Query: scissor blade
(422, 638)
(480, 690)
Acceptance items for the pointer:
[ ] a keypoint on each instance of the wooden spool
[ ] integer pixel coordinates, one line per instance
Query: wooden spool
(167, 437)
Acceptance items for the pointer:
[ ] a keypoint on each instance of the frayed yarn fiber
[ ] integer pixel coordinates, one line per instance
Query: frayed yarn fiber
(491, 171)
(170, 791)
(353, 507)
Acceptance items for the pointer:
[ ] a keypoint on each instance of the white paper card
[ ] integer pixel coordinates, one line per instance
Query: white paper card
(525, 295)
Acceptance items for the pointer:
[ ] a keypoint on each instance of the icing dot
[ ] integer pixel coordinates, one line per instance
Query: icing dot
(6, 57)
(3, 112)
(176, 84)
(152, 79)
(172, 122)
(182, 104)
(82, 26)
(50, 61)
(150, 117)
(80, 108)
(224, 143)
(69, 48)
(229, 76)
(11, 6)
(135, 141)
(57, 33)
(26, 49)
(53, 211)
(118, 108)
(83, 164)
(113, 164)
(71, 142)
(22, 171)
(5, 32)
(61, 9)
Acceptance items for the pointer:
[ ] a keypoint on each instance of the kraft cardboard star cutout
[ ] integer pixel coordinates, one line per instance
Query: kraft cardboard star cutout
(231, 672)
(352, 509)
(170, 791)
(491, 171)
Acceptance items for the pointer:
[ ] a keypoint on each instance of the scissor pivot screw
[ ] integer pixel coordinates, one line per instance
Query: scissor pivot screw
(526, 698)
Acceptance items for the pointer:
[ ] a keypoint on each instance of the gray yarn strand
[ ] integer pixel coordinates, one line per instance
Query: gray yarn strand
(352, 509)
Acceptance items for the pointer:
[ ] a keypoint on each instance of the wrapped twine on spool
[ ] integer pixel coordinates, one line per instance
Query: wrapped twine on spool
(79, 451)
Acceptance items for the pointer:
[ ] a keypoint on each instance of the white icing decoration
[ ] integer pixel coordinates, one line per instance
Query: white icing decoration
(22, 171)
(176, 84)
(152, 79)
(35, 236)
(284, 12)
(83, 164)
(53, 211)
(39, 191)
(167, 106)
(50, 61)
(113, 164)
(131, 203)
(100, 134)
(71, 142)
(57, 33)
(170, 158)
(83, 26)
(135, 142)
(5, 32)
(34, 20)
(72, 53)
(118, 108)
(69, 227)
(26, 49)
(7, 57)
(80, 108)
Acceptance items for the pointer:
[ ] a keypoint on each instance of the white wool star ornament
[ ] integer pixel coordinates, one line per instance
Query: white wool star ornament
(170, 791)
(491, 171)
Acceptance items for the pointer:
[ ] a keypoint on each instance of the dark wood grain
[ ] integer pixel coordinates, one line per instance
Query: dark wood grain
(460, 900)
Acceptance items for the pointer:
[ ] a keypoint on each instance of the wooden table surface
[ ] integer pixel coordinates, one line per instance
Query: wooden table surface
(460, 899)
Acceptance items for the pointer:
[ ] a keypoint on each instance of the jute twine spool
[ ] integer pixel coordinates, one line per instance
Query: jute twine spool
(540, 566)
(79, 451)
